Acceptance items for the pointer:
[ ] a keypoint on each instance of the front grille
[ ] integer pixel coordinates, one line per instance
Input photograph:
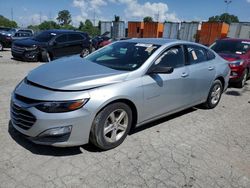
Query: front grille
(21, 117)
(17, 49)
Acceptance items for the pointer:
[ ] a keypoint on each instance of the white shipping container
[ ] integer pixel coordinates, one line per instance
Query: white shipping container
(171, 30)
(239, 30)
(188, 31)
(118, 30)
(106, 27)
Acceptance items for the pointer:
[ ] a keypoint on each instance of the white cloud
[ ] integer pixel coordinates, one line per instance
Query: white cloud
(133, 10)
(158, 11)
(248, 1)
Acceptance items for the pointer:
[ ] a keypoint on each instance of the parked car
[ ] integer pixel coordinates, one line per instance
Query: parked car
(237, 52)
(5, 41)
(26, 31)
(128, 83)
(100, 41)
(21, 35)
(50, 45)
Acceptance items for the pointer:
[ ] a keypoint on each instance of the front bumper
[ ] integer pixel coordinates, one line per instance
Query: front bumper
(80, 120)
(236, 74)
(25, 55)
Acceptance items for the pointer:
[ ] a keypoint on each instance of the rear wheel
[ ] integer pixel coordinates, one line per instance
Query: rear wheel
(214, 95)
(111, 126)
(243, 79)
(85, 52)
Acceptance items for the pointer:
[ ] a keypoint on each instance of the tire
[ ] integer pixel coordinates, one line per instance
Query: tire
(106, 131)
(243, 79)
(85, 52)
(46, 57)
(214, 95)
(1, 46)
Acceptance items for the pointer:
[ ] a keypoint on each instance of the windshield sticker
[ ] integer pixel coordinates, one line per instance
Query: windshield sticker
(144, 45)
(53, 34)
(150, 49)
(237, 52)
(245, 42)
(194, 55)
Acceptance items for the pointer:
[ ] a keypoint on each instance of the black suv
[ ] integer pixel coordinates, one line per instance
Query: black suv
(51, 44)
(5, 41)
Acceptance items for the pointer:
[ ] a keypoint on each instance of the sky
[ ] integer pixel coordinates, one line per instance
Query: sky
(26, 12)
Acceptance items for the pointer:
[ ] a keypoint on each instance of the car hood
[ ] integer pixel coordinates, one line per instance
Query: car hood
(74, 74)
(28, 42)
(230, 57)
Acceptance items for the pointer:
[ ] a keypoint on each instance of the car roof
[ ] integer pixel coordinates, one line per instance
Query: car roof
(235, 39)
(60, 31)
(157, 41)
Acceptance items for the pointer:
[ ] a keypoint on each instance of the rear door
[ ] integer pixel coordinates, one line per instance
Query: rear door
(201, 67)
(75, 42)
(60, 46)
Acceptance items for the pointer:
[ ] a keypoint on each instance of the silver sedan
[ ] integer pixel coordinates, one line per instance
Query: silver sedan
(101, 97)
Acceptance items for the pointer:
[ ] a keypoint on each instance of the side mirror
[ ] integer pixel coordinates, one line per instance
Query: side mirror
(161, 70)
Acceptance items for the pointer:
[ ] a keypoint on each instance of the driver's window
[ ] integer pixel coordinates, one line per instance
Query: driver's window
(172, 57)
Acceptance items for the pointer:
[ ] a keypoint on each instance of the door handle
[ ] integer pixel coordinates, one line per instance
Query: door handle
(184, 74)
(211, 68)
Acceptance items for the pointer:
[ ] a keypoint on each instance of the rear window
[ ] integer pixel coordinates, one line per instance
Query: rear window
(231, 47)
(75, 37)
(196, 54)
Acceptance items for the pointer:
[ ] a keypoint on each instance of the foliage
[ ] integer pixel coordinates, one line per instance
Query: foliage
(89, 28)
(48, 25)
(5, 22)
(64, 17)
(147, 19)
(228, 18)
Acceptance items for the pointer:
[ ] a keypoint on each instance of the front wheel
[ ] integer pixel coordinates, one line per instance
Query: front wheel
(243, 80)
(214, 95)
(111, 126)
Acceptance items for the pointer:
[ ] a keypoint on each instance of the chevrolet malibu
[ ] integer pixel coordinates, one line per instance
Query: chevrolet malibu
(99, 98)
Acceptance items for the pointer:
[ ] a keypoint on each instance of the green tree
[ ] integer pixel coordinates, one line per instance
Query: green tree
(48, 25)
(225, 17)
(33, 27)
(89, 28)
(147, 19)
(5, 22)
(81, 26)
(64, 17)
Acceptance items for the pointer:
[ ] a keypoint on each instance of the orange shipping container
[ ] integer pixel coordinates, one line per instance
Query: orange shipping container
(153, 30)
(211, 31)
(135, 29)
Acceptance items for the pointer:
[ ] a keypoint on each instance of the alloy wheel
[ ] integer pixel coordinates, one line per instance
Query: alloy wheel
(115, 125)
(216, 93)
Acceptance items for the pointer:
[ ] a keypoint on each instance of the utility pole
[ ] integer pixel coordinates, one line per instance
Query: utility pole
(227, 4)
(94, 18)
(11, 14)
(40, 14)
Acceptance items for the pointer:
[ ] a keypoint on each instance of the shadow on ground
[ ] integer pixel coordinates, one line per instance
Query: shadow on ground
(54, 151)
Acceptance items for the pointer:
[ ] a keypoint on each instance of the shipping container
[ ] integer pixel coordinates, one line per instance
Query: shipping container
(211, 31)
(171, 30)
(188, 31)
(153, 30)
(239, 30)
(118, 30)
(106, 27)
(135, 29)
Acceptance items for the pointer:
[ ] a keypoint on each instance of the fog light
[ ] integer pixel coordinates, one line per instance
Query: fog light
(59, 131)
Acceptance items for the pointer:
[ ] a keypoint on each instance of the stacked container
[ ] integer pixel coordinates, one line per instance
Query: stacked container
(171, 30)
(118, 30)
(188, 31)
(106, 27)
(211, 31)
(239, 30)
(153, 30)
(135, 29)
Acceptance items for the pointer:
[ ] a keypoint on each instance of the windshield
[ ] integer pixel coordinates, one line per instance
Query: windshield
(44, 37)
(123, 55)
(231, 47)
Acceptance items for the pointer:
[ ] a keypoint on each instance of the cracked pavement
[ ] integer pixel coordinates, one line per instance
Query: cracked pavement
(193, 148)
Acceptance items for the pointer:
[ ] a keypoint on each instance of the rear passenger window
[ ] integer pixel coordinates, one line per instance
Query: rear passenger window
(172, 57)
(75, 37)
(210, 55)
(196, 54)
(61, 39)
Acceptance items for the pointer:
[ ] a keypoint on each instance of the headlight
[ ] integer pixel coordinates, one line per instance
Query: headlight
(236, 63)
(59, 107)
(34, 47)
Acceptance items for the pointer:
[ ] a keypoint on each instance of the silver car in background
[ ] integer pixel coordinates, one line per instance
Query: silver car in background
(99, 98)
